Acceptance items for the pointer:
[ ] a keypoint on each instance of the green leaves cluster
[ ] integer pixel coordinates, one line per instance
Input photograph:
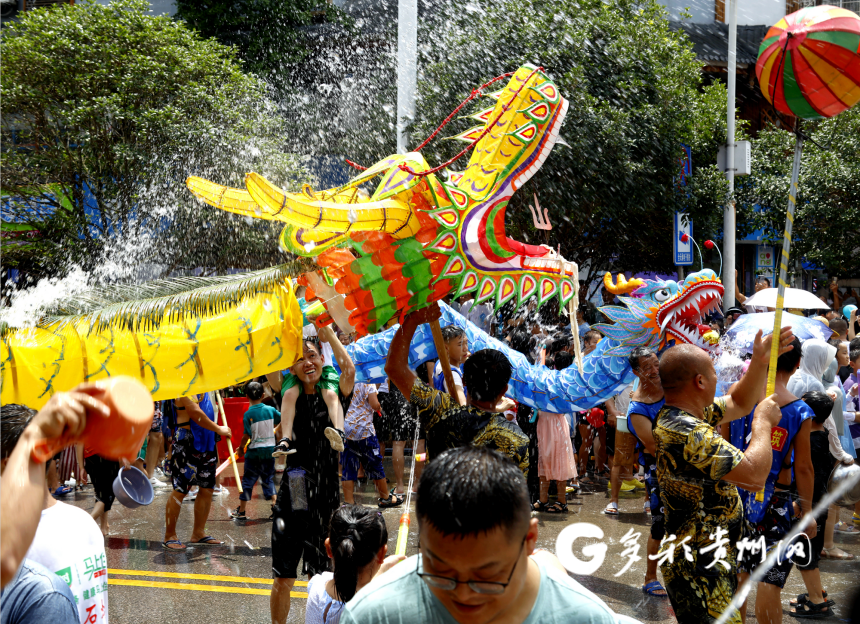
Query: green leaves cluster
(826, 229)
(271, 37)
(636, 94)
(128, 105)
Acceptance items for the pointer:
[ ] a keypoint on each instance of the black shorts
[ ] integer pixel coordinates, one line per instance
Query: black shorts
(399, 416)
(777, 574)
(190, 466)
(816, 543)
(102, 473)
(380, 426)
(299, 535)
(610, 441)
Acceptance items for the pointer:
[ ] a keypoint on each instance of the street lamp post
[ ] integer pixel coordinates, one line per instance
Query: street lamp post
(729, 211)
(407, 53)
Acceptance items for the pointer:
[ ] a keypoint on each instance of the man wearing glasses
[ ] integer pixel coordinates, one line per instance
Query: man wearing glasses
(476, 537)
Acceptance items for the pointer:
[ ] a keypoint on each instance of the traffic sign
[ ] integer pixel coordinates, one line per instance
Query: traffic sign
(683, 250)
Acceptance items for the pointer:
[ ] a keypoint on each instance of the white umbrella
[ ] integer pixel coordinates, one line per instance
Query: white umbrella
(795, 298)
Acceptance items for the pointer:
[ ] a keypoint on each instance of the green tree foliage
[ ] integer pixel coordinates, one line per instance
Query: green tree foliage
(272, 37)
(635, 92)
(111, 99)
(827, 217)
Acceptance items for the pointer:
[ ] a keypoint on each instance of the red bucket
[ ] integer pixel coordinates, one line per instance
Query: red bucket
(234, 410)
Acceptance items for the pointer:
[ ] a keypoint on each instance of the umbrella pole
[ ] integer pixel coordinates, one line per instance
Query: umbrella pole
(783, 265)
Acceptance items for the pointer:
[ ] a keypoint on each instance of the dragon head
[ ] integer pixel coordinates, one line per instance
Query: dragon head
(514, 139)
(660, 311)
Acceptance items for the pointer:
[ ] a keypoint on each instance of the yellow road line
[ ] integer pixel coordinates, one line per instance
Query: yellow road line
(199, 577)
(194, 587)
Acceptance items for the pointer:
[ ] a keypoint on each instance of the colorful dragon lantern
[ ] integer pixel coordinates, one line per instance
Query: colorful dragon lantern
(418, 237)
(657, 314)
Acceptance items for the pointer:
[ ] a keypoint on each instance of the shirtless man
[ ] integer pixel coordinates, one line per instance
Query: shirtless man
(193, 461)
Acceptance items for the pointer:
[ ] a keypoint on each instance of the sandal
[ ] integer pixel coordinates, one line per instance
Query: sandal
(539, 506)
(803, 598)
(207, 541)
(835, 554)
(385, 503)
(807, 610)
(845, 527)
(169, 545)
(555, 508)
(653, 587)
(611, 509)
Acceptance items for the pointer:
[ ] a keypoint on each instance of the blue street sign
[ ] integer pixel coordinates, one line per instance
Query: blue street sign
(683, 251)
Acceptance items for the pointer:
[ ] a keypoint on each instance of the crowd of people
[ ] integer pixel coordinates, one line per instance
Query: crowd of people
(723, 478)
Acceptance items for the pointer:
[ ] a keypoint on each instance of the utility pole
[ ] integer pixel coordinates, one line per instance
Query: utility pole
(407, 63)
(729, 211)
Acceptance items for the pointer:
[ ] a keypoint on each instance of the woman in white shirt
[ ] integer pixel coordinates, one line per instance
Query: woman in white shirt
(357, 543)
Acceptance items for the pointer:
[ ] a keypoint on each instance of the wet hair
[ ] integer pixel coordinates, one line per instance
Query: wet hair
(486, 374)
(838, 325)
(637, 354)
(472, 490)
(854, 344)
(592, 334)
(853, 354)
(764, 280)
(254, 390)
(355, 535)
(836, 342)
(787, 362)
(820, 404)
(14, 419)
(563, 359)
(449, 332)
(520, 341)
(312, 341)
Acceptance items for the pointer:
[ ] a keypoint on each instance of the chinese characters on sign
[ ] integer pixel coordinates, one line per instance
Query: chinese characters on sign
(717, 548)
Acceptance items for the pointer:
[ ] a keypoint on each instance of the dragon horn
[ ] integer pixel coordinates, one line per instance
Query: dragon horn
(623, 286)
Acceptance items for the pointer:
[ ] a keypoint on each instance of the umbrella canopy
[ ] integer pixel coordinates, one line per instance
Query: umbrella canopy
(795, 298)
(741, 335)
(809, 62)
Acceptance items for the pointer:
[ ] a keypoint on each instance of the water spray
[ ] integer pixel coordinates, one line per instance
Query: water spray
(756, 575)
(403, 530)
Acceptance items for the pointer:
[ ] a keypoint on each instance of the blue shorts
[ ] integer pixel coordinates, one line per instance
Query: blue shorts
(362, 453)
(652, 491)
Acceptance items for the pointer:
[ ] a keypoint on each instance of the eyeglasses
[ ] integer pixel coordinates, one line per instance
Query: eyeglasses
(479, 587)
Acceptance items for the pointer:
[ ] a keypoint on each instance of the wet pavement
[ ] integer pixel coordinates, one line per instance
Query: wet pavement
(231, 583)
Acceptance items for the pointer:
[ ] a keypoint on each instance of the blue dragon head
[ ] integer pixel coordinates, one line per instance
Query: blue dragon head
(661, 311)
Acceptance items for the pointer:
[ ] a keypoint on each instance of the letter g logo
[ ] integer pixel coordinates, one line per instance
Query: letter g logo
(564, 548)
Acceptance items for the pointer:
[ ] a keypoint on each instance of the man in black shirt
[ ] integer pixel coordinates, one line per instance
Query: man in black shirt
(309, 491)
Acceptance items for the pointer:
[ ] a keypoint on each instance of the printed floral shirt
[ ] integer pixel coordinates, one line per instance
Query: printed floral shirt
(450, 425)
(692, 459)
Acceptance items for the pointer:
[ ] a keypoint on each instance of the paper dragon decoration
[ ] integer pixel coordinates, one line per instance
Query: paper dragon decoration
(657, 313)
(418, 237)
(178, 336)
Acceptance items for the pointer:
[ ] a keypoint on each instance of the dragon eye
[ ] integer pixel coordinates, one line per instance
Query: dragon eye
(662, 295)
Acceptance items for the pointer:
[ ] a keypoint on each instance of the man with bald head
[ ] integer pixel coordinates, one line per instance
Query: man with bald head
(697, 471)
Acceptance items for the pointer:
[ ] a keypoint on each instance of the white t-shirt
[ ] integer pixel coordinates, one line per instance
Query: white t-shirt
(455, 373)
(321, 608)
(481, 315)
(68, 542)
